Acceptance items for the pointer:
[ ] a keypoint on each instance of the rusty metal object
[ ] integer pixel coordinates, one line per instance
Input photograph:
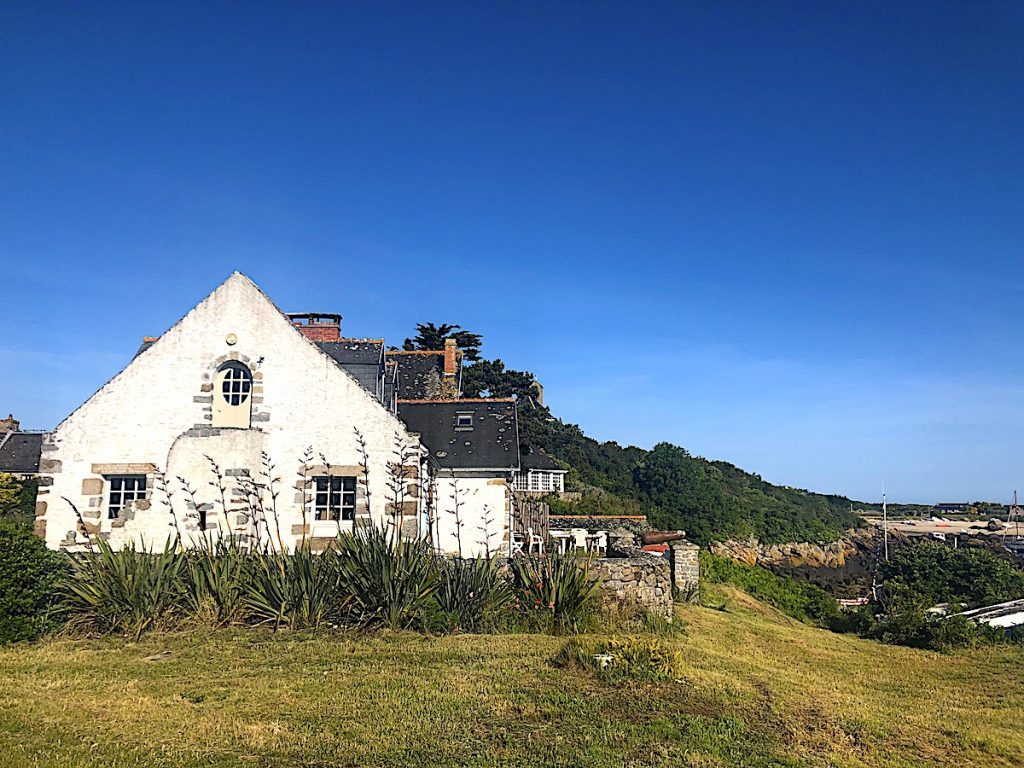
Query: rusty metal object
(660, 537)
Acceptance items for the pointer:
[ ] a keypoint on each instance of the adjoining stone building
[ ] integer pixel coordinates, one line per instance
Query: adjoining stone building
(274, 427)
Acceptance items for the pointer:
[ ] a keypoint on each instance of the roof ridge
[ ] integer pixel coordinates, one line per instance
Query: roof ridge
(460, 400)
(415, 351)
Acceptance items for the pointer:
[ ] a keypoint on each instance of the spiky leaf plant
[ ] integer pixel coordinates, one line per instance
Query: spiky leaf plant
(470, 594)
(215, 573)
(125, 591)
(299, 590)
(555, 591)
(384, 582)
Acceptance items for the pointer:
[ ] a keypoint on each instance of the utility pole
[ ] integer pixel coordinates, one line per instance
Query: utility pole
(885, 528)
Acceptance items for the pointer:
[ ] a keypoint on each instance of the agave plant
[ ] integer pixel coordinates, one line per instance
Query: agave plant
(297, 590)
(556, 589)
(124, 591)
(384, 581)
(470, 593)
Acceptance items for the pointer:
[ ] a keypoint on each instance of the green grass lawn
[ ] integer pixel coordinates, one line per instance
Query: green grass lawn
(757, 689)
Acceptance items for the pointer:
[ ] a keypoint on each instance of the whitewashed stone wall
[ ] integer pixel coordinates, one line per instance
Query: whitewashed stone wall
(155, 418)
(479, 523)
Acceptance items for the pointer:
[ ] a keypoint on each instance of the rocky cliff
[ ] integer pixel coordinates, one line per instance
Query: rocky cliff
(843, 567)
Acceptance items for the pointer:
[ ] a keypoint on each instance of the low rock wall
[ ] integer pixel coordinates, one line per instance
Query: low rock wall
(634, 584)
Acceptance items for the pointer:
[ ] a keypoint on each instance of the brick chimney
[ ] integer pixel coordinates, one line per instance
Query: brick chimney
(317, 326)
(451, 351)
(10, 424)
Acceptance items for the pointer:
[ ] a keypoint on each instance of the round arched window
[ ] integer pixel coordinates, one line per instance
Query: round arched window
(235, 383)
(232, 405)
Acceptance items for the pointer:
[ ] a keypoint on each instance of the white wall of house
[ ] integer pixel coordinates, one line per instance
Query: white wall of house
(156, 417)
(484, 501)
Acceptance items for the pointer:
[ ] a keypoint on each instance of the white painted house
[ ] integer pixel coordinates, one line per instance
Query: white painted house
(274, 427)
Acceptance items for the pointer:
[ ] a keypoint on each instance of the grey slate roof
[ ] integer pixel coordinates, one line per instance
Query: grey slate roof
(414, 369)
(354, 351)
(491, 443)
(535, 458)
(19, 452)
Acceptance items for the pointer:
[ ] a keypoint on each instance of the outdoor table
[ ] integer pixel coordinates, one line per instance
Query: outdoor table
(562, 539)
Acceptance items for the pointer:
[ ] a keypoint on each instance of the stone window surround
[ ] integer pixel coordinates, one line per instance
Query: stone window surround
(259, 412)
(95, 490)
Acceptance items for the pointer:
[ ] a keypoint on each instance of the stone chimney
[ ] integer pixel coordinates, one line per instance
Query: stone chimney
(10, 424)
(317, 326)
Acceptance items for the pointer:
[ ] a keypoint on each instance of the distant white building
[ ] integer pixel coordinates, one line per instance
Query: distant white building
(272, 427)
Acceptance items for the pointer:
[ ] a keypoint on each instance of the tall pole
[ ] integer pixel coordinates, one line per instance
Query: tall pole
(885, 528)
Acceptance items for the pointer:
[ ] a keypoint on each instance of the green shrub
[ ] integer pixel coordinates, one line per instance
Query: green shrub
(470, 593)
(555, 592)
(942, 574)
(299, 591)
(382, 581)
(124, 591)
(799, 599)
(908, 622)
(648, 658)
(29, 574)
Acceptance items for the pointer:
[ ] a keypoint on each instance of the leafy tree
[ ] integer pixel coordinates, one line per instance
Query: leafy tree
(432, 337)
(10, 494)
(17, 498)
(491, 378)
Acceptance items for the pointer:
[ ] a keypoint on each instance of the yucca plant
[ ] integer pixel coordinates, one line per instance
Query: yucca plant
(470, 594)
(384, 581)
(555, 590)
(124, 591)
(297, 590)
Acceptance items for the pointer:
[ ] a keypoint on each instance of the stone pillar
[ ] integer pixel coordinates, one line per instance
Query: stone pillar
(685, 570)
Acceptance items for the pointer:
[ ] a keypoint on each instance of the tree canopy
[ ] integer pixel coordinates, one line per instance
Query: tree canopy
(432, 337)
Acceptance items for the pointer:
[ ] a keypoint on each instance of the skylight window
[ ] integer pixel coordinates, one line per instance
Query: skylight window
(463, 420)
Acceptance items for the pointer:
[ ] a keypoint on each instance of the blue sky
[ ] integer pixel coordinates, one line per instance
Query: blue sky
(786, 235)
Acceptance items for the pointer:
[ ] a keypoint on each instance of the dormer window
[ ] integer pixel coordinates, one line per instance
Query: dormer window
(232, 404)
(463, 420)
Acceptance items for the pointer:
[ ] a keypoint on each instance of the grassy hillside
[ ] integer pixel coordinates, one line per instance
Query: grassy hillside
(755, 689)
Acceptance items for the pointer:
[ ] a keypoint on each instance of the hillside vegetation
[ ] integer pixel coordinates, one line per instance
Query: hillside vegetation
(710, 500)
(750, 687)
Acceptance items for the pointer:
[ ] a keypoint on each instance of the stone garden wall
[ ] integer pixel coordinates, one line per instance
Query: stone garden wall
(634, 584)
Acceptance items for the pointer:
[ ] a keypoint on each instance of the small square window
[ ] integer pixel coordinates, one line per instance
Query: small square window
(335, 498)
(122, 490)
(463, 420)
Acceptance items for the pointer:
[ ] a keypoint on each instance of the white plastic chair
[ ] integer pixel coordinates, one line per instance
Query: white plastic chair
(579, 538)
(533, 539)
(517, 544)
